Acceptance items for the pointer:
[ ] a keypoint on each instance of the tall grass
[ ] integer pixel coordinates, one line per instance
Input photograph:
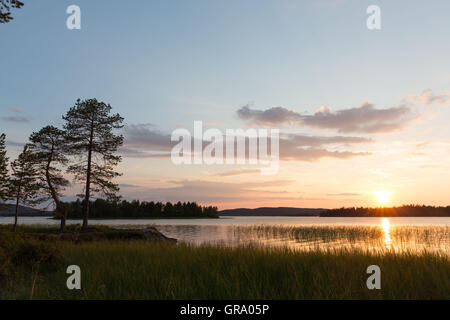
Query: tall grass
(401, 238)
(119, 269)
(138, 270)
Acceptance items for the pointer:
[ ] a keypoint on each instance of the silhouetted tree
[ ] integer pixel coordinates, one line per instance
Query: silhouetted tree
(3, 170)
(5, 9)
(24, 183)
(48, 145)
(89, 127)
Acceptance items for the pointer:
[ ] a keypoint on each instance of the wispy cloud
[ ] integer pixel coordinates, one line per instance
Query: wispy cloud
(144, 141)
(344, 194)
(313, 148)
(236, 172)
(17, 110)
(15, 119)
(428, 98)
(422, 144)
(314, 154)
(211, 191)
(146, 136)
(126, 185)
(315, 141)
(363, 119)
(14, 143)
(273, 115)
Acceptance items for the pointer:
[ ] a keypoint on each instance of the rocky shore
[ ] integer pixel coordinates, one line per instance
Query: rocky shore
(149, 234)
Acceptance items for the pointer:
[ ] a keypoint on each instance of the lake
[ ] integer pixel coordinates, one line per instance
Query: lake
(302, 233)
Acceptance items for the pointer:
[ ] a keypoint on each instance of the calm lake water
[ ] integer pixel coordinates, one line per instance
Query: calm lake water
(303, 233)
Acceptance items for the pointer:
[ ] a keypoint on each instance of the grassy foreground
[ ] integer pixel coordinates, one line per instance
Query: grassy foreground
(142, 270)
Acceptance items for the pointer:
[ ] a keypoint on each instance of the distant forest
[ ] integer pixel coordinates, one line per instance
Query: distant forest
(136, 209)
(403, 211)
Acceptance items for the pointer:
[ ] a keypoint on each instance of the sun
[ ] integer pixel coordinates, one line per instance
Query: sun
(383, 197)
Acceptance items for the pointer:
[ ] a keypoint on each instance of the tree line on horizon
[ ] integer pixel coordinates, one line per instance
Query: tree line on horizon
(403, 211)
(101, 208)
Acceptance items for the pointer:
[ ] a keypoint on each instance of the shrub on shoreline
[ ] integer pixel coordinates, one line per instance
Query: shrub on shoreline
(21, 254)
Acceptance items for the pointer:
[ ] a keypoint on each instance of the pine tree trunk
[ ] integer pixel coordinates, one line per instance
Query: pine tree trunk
(59, 207)
(17, 210)
(63, 222)
(62, 210)
(87, 194)
(88, 181)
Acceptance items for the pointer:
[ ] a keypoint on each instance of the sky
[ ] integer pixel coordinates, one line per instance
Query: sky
(359, 111)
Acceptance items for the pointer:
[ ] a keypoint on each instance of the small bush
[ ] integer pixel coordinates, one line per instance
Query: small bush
(5, 265)
(17, 251)
(29, 253)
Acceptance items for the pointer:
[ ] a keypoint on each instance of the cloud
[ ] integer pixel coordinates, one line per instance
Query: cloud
(146, 136)
(15, 144)
(17, 110)
(134, 153)
(344, 194)
(126, 185)
(427, 98)
(314, 154)
(144, 141)
(422, 144)
(210, 191)
(363, 119)
(236, 172)
(314, 141)
(313, 148)
(15, 119)
(274, 115)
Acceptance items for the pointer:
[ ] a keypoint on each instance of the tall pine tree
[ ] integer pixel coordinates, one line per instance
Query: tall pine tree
(24, 184)
(91, 139)
(4, 196)
(48, 146)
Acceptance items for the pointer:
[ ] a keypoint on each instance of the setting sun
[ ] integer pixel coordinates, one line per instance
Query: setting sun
(383, 197)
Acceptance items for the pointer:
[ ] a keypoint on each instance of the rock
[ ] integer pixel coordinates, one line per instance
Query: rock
(156, 235)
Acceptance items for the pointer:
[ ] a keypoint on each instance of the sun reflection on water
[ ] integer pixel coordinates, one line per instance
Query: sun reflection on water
(386, 228)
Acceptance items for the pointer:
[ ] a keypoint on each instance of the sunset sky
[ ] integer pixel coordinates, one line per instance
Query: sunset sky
(360, 111)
